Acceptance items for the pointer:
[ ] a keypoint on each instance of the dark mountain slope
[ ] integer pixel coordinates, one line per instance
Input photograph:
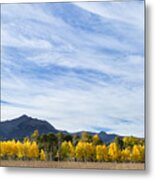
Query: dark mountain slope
(24, 126)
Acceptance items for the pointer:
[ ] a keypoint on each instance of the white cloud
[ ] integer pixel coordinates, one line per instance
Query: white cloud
(22, 42)
(77, 109)
(126, 11)
(110, 88)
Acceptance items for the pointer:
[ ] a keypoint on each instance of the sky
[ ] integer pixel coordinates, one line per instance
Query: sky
(80, 66)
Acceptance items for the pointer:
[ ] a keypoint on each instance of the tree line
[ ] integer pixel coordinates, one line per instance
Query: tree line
(64, 147)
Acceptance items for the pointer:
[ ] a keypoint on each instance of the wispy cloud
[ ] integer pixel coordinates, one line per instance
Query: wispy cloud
(122, 13)
(77, 65)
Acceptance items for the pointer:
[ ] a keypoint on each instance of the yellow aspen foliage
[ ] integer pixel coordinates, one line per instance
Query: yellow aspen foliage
(96, 140)
(131, 141)
(85, 137)
(8, 149)
(42, 155)
(114, 152)
(2, 149)
(80, 152)
(20, 150)
(72, 150)
(67, 150)
(33, 151)
(101, 153)
(85, 151)
(90, 151)
(14, 148)
(142, 151)
(138, 153)
(35, 135)
(126, 154)
(26, 147)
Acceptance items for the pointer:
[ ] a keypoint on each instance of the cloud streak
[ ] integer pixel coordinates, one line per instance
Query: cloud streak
(80, 65)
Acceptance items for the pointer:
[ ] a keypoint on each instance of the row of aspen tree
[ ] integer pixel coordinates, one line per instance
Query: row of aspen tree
(62, 147)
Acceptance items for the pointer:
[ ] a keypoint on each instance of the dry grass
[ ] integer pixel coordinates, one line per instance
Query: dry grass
(72, 165)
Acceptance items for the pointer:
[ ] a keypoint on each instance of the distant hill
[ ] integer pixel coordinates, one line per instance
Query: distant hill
(24, 125)
(106, 138)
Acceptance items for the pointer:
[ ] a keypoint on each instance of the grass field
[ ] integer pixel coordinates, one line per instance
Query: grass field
(72, 165)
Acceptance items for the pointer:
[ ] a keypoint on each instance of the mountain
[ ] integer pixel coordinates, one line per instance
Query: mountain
(24, 125)
(107, 138)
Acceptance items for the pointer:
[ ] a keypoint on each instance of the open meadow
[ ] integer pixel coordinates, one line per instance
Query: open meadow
(73, 165)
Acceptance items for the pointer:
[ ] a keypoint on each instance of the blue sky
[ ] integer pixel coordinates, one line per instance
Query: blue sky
(78, 65)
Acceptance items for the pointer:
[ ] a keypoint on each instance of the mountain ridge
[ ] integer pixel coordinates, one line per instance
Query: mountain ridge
(23, 126)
